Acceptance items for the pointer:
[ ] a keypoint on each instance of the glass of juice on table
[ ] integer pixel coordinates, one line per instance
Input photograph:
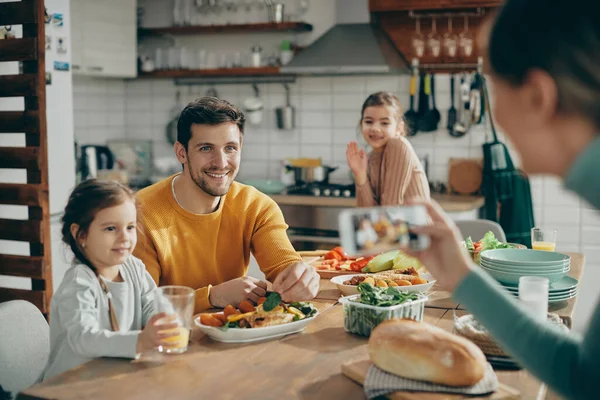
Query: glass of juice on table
(543, 239)
(178, 303)
(533, 294)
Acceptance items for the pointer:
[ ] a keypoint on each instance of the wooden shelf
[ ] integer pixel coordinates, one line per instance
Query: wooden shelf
(233, 28)
(191, 73)
(406, 5)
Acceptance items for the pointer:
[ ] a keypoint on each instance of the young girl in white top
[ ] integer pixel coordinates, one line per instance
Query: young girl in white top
(104, 306)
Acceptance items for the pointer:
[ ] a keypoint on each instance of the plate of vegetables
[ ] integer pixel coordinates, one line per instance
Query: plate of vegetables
(270, 318)
(336, 262)
(488, 242)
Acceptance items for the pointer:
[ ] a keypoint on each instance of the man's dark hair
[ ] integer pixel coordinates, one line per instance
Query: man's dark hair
(207, 111)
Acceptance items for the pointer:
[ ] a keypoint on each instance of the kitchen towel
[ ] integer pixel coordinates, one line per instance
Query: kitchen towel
(381, 383)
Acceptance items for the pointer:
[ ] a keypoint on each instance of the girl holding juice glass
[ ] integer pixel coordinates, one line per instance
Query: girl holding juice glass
(105, 305)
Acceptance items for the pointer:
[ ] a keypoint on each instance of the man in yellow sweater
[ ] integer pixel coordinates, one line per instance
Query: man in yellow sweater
(199, 227)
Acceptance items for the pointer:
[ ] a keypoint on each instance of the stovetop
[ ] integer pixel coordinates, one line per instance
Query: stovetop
(321, 190)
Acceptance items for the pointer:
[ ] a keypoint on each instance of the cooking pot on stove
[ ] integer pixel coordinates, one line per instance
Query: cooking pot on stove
(311, 174)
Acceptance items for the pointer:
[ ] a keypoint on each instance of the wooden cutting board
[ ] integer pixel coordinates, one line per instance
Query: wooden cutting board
(357, 371)
(465, 175)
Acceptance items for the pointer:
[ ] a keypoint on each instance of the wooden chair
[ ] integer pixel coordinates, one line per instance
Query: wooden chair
(31, 122)
(479, 227)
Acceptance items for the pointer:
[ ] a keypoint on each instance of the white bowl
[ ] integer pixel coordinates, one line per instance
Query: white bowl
(349, 290)
(239, 335)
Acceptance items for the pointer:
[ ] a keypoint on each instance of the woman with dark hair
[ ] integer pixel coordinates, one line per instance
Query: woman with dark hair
(545, 71)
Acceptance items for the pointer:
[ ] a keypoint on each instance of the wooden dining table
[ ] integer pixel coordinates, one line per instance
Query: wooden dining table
(305, 365)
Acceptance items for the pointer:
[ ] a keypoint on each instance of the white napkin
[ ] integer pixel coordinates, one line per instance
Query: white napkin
(381, 383)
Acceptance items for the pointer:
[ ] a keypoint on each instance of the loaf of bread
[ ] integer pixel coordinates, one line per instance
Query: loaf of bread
(424, 352)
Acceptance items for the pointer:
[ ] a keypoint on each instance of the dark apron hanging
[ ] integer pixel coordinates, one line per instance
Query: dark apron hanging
(506, 189)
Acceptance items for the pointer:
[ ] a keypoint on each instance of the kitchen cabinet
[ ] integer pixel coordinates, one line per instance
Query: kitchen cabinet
(104, 38)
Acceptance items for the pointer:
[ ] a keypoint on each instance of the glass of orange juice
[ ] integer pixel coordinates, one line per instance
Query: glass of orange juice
(178, 303)
(543, 239)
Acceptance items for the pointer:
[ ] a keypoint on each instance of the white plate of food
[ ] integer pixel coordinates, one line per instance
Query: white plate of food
(348, 284)
(260, 324)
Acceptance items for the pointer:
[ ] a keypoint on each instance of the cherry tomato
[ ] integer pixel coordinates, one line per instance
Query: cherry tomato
(332, 255)
(341, 252)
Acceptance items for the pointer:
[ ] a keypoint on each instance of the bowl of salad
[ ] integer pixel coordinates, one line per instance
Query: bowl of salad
(373, 305)
(488, 242)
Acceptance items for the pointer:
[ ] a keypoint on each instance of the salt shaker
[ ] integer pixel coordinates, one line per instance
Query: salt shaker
(256, 56)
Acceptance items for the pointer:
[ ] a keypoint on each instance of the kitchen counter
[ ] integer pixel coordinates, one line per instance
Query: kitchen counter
(450, 203)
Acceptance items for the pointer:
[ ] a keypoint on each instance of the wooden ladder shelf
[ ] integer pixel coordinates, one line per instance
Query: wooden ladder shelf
(33, 158)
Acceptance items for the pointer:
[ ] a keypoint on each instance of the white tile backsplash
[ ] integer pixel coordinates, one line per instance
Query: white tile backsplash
(350, 84)
(281, 151)
(346, 119)
(317, 151)
(316, 119)
(555, 215)
(317, 136)
(316, 102)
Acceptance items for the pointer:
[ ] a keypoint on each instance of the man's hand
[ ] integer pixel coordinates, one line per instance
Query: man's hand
(234, 291)
(298, 282)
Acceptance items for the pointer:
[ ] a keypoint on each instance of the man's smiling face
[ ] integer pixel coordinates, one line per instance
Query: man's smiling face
(213, 156)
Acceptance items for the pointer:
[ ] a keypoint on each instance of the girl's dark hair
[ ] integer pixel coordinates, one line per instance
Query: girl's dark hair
(85, 201)
(384, 99)
(556, 36)
(207, 111)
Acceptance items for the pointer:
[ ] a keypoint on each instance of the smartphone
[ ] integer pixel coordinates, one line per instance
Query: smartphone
(365, 231)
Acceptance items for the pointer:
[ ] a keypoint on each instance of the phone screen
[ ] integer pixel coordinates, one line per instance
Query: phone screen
(379, 229)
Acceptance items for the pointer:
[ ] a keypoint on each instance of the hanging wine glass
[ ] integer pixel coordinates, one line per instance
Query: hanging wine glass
(450, 41)
(466, 40)
(434, 41)
(418, 40)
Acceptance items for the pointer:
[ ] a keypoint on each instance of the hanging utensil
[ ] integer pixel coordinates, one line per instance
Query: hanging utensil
(428, 120)
(452, 110)
(411, 117)
(171, 128)
(435, 111)
(476, 102)
(286, 115)
(464, 111)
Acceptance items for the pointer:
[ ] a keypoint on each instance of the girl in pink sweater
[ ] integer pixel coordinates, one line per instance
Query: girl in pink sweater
(392, 172)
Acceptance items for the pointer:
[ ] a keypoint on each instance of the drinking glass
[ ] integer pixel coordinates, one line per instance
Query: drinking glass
(418, 40)
(178, 303)
(433, 40)
(533, 294)
(466, 40)
(450, 41)
(543, 239)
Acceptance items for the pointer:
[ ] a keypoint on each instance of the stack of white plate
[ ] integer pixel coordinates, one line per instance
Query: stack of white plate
(508, 265)
(562, 290)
